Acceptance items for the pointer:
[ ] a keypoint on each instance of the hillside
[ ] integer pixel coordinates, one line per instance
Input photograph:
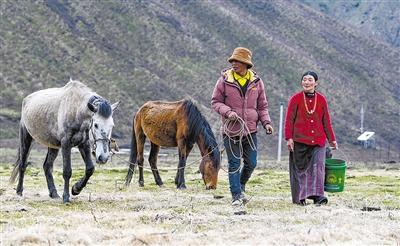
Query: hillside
(375, 18)
(148, 50)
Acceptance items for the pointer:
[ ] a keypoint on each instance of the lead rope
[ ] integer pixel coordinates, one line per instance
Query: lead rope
(168, 169)
(228, 133)
(237, 136)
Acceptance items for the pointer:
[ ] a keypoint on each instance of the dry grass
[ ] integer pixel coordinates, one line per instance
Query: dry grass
(107, 213)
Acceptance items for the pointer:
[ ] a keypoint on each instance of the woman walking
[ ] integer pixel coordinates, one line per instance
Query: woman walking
(307, 127)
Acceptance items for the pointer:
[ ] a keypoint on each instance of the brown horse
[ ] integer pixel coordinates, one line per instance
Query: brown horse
(173, 124)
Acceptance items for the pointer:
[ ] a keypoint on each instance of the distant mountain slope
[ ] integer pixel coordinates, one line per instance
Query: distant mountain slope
(136, 51)
(378, 18)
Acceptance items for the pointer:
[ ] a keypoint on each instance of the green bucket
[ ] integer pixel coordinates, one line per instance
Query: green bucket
(335, 170)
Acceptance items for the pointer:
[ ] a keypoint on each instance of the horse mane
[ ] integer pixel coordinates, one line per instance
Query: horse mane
(78, 90)
(104, 106)
(198, 124)
(105, 109)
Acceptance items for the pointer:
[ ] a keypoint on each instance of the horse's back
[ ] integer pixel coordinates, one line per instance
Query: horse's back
(160, 120)
(160, 110)
(52, 98)
(163, 105)
(41, 113)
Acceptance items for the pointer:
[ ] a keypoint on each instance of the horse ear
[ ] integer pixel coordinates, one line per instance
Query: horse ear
(115, 106)
(92, 107)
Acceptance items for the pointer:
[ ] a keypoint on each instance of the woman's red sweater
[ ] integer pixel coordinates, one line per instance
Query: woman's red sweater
(311, 129)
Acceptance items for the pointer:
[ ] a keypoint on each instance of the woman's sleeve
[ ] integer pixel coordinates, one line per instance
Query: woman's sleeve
(326, 121)
(218, 99)
(291, 113)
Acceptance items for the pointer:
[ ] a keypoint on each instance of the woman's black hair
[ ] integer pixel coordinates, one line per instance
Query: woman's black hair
(310, 73)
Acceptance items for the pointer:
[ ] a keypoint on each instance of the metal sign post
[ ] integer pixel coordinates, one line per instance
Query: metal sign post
(280, 132)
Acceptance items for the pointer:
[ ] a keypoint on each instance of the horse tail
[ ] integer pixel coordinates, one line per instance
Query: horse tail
(17, 163)
(15, 170)
(23, 151)
(132, 156)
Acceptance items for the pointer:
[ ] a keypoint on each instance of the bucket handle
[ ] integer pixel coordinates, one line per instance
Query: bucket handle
(340, 150)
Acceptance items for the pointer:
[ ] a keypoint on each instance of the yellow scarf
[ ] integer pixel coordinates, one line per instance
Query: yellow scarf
(241, 79)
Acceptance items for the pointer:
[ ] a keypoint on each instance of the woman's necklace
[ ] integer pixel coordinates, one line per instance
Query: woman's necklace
(305, 103)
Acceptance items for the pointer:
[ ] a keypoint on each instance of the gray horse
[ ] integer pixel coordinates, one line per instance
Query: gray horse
(64, 117)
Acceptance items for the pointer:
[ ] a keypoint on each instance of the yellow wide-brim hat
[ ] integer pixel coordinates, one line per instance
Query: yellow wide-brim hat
(241, 54)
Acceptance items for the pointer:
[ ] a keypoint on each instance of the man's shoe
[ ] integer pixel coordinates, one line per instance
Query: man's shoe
(244, 198)
(238, 207)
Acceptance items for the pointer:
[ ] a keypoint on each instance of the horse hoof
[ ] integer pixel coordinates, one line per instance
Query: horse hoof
(66, 199)
(141, 184)
(74, 191)
(182, 187)
(161, 186)
(19, 193)
(54, 195)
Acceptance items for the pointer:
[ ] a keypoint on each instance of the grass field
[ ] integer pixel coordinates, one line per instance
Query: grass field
(107, 213)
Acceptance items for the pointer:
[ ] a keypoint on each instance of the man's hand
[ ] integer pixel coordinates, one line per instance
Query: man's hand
(290, 144)
(269, 129)
(232, 116)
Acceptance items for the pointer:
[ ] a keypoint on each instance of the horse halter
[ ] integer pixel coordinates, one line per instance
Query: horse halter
(104, 139)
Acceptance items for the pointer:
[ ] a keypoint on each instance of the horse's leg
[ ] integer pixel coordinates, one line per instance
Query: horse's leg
(48, 171)
(188, 149)
(153, 163)
(180, 174)
(141, 138)
(67, 170)
(24, 149)
(84, 149)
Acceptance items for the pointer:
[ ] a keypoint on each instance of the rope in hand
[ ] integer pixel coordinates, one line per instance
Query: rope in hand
(236, 136)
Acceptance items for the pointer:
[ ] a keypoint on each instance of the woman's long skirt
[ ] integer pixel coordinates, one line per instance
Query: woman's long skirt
(307, 171)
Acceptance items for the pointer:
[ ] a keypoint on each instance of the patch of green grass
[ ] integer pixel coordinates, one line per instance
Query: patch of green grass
(271, 184)
(18, 220)
(145, 219)
(370, 185)
(179, 210)
(4, 167)
(256, 180)
(374, 178)
(8, 133)
(10, 113)
(5, 172)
